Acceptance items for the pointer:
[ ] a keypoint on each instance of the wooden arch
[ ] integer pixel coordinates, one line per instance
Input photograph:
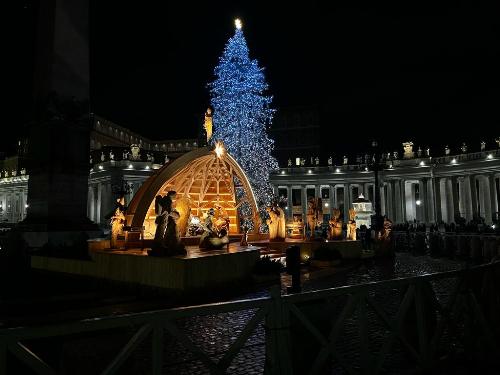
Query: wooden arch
(203, 177)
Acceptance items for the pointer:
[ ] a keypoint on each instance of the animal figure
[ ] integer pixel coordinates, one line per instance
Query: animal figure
(216, 228)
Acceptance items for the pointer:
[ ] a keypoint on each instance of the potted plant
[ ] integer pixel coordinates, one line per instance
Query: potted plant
(324, 257)
(267, 269)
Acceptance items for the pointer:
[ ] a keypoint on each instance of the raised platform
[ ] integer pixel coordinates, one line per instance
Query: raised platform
(197, 270)
(134, 241)
(348, 249)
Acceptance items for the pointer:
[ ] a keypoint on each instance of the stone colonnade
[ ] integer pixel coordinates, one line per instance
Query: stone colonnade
(427, 199)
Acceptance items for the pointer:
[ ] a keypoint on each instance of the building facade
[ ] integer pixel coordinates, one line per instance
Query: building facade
(412, 189)
(120, 161)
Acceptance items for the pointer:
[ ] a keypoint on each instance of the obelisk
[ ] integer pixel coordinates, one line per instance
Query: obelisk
(58, 145)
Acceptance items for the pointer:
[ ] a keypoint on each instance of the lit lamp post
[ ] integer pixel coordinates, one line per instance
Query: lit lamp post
(376, 166)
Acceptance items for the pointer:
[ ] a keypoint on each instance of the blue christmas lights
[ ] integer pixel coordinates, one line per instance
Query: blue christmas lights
(242, 114)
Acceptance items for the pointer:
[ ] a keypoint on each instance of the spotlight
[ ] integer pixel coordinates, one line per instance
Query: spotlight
(219, 149)
(337, 170)
(489, 157)
(418, 202)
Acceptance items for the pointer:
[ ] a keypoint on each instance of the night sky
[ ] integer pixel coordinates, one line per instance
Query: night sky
(424, 74)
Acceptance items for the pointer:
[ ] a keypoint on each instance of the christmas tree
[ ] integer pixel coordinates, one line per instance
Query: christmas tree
(242, 114)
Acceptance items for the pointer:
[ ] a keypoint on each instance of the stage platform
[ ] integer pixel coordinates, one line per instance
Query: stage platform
(348, 249)
(197, 270)
(133, 241)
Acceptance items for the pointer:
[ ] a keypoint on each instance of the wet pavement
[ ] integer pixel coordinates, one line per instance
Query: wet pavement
(215, 333)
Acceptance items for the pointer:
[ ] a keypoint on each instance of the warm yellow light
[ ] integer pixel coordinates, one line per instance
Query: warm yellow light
(219, 149)
(238, 24)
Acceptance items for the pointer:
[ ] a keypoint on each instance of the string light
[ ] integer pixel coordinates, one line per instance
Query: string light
(242, 114)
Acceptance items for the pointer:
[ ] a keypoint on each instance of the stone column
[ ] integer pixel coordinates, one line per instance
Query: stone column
(424, 209)
(347, 201)
(289, 202)
(303, 203)
(493, 194)
(21, 206)
(363, 189)
(398, 215)
(485, 196)
(436, 198)
(463, 200)
(317, 191)
(91, 203)
(388, 201)
(98, 203)
(59, 134)
(448, 199)
(454, 194)
(383, 210)
(392, 197)
(431, 215)
(410, 206)
(466, 194)
(402, 184)
(473, 194)
(333, 198)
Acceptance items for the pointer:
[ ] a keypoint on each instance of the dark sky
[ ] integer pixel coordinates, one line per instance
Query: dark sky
(423, 73)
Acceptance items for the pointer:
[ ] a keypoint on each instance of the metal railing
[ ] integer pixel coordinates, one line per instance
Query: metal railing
(419, 318)
(484, 246)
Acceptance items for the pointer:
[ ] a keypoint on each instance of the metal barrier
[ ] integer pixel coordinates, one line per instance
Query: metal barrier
(426, 311)
(466, 245)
